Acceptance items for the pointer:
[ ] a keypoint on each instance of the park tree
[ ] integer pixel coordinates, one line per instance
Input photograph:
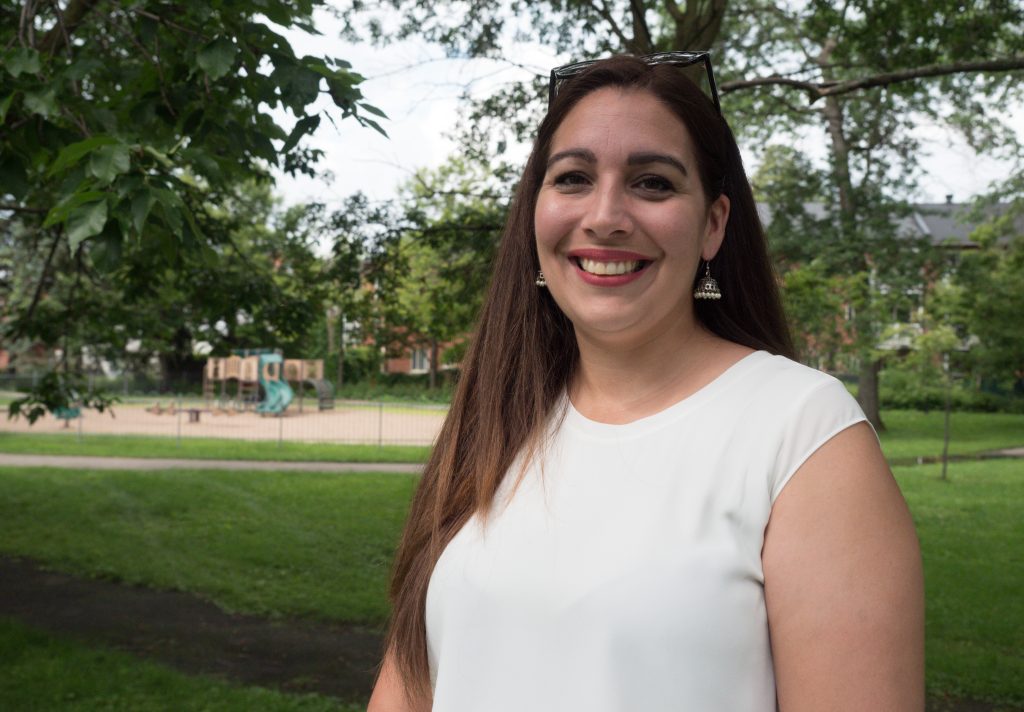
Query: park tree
(264, 286)
(426, 256)
(991, 282)
(123, 127)
(860, 74)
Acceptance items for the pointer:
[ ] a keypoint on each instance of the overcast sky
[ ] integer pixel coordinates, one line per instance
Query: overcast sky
(418, 88)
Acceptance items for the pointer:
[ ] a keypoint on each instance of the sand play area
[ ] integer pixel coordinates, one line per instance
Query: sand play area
(371, 423)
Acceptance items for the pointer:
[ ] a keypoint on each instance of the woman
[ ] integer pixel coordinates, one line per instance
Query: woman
(634, 486)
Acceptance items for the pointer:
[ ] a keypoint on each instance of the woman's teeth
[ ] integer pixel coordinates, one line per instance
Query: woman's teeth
(609, 268)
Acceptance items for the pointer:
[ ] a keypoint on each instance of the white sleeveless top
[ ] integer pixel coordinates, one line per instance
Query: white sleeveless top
(624, 572)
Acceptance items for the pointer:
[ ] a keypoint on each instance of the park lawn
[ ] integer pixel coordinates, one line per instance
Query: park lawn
(319, 545)
(271, 543)
(204, 448)
(971, 530)
(911, 434)
(42, 672)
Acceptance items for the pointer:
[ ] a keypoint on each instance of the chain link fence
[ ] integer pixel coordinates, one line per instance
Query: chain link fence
(142, 410)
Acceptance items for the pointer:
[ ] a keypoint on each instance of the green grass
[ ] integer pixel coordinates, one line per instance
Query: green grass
(205, 448)
(270, 543)
(41, 672)
(319, 545)
(972, 536)
(911, 434)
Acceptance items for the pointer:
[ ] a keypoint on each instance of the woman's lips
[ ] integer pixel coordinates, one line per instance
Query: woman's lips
(608, 268)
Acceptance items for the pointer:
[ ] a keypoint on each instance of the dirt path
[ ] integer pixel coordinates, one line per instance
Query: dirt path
(193, 635)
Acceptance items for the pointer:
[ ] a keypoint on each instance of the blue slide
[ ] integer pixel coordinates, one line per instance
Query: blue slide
(278, 393)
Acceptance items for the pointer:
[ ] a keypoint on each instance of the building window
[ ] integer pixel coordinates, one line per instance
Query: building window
(420, 360)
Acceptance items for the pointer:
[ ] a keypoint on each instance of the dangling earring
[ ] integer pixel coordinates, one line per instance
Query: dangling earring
(540, 281)
(707, 287)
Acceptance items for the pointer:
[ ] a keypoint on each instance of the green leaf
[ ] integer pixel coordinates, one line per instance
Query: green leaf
(13, 176)
(108, 162)
(85, 221)
(142, 203)
(59, 213)
(106, 251)
(42, 102)
(22, 61)
(217, 57)
(372, 124)
(303, 127)
(72, 154)
(4, 106)
(373, 110)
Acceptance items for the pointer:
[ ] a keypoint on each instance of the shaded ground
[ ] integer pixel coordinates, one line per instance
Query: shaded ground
(194, 636)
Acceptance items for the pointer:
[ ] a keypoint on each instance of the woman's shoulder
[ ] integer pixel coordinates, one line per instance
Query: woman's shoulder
(765, 375)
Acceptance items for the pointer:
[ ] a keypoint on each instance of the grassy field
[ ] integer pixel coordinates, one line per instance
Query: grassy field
(270, 543)
(41, 672)
(205, 448)
(910, 433)
(319, 545)
(972, 534)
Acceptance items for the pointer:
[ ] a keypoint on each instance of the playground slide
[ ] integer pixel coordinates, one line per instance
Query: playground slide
(324, 393)
(279, 395)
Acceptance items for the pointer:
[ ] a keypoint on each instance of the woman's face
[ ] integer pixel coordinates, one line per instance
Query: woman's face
(622, 220)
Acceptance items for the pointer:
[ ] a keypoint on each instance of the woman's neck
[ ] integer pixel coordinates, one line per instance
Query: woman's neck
(622, 382)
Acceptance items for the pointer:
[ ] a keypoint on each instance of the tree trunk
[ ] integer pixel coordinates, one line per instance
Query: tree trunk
(433, 363)
(340, 378)
(867, 393)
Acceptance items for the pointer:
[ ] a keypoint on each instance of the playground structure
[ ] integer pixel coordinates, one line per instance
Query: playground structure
(253, 370)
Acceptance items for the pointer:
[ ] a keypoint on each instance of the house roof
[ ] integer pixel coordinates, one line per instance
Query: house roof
(947, 224)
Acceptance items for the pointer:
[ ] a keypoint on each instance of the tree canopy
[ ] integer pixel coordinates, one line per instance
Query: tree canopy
(125, 126)
(860, 74)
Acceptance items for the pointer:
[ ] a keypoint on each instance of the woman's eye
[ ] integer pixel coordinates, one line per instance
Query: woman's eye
(571, 180)
(655, 184)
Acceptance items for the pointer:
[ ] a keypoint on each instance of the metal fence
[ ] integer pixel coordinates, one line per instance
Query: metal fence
(192, 416)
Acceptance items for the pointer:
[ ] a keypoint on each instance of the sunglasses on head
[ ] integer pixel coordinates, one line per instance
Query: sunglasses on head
(674, 59)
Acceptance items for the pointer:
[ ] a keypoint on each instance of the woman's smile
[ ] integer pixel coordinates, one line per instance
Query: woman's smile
(609, 268)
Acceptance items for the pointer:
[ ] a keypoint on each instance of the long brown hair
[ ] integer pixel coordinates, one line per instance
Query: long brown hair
(524, 355)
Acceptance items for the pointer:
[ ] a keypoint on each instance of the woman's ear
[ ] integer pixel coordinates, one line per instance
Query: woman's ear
(714, 229)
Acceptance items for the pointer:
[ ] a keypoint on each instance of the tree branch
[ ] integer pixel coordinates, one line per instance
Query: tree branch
(818, 90)
(774, 80)
(673, 11)
(604, 12)
(61, 32)
(641, 32)
(1004, 64)
(22, 209)
(42, 277)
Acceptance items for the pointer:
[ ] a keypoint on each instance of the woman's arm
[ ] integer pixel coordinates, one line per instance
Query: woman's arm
(389, 693)
(844, 586)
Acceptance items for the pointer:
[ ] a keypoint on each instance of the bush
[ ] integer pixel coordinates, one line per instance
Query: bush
(401, 387)
(905, 390)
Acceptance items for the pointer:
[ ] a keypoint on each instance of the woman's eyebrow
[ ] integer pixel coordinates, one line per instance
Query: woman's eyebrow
(639, 159)
(581, 153)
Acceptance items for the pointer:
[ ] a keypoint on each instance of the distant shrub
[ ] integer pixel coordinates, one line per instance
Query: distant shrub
(906, 390)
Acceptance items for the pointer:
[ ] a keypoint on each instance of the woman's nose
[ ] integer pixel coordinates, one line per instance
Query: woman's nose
(607, 213)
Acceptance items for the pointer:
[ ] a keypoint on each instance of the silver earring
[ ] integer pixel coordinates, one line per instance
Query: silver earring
(707, 287)
(540, 281)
